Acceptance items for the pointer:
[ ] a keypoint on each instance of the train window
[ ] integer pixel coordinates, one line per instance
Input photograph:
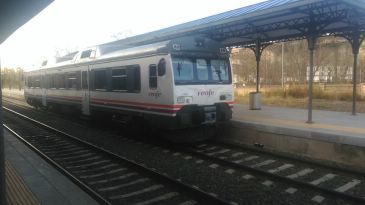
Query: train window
(78, 77)
(43, 82)
(86, 54)
(202, 69)
(183, 69)
(100, 80)
(72, 81)
(60, 81)
(133, 79)
(220, 70)
(153, 76)
(37, 82)
(119, 79)
(161, 67)
(29, 81)
(52, 81)
(26, 82)
(84, 80)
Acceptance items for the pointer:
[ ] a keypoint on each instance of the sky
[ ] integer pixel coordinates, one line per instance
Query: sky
(69, 25)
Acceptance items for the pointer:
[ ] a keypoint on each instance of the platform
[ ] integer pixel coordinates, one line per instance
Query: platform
(333, 136)
(31, 180)
(327, 125)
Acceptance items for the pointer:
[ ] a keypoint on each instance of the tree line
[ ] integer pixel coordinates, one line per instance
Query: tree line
(12, 78)
(287, 63)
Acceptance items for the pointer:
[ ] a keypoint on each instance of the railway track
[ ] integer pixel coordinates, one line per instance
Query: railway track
(109, 178)
(341, 185)
(272, 178)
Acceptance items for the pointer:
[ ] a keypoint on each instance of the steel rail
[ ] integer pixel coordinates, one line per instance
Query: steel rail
(199, 194)
(81, 184)
(286, 157)
(309, 186)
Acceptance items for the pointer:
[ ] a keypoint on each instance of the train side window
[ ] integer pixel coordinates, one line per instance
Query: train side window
(100, 80)
(52, 81)
(161, 67)
(42, 81)
(37, 82)
(29, 79)
(153, 76)
(45, 81)
(78, 80)
(60, 82)
(133, 79)
(72, 81)
(84, 80)
(119, 79)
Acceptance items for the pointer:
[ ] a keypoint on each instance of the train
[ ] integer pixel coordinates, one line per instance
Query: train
(174, 84)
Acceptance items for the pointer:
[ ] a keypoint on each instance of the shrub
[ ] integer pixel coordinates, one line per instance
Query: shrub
(301, 91)
(274, 92)
(297, 91)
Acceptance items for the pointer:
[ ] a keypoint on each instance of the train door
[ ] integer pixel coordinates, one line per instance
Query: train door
(156, 72)
(85, 104)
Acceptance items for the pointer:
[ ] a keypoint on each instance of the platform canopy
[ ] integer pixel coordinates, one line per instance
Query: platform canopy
(15, 13)
(273, 20)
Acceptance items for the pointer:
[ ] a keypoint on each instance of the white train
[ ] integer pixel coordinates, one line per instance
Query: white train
(180, 83)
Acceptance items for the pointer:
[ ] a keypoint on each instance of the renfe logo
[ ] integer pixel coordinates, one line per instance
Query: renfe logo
(206, 93)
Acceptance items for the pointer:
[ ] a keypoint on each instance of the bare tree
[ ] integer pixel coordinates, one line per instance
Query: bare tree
(333, 62)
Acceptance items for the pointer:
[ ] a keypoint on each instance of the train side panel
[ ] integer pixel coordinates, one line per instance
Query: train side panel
(145, 94)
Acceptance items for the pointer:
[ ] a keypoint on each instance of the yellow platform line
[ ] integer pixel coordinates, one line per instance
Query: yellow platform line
(17, 193)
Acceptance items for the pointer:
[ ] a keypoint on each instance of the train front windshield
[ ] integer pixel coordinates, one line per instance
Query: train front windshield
(201, 71)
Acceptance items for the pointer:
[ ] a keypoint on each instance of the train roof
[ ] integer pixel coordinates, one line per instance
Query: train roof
(193, 45)
(185, 45)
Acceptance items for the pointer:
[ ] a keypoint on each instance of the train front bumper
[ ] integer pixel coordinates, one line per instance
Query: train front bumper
(197, 115)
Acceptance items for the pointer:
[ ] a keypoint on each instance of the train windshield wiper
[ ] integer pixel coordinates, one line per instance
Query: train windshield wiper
(219, 74)
(179, 68)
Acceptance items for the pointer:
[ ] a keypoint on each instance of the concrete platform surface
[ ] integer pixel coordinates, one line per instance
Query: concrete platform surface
(31, 178)
(339, 127)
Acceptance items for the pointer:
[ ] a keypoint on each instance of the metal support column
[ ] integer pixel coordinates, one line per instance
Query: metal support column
(354, 82)
(255, 97)
(311, 47)
(258, 53)
(355, 39)
(258, 48)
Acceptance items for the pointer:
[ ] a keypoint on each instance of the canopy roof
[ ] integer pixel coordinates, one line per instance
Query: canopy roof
(15, 13)
(271, 20)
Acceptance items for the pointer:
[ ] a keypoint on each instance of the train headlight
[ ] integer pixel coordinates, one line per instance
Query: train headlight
(184, 99)
(226, 96)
